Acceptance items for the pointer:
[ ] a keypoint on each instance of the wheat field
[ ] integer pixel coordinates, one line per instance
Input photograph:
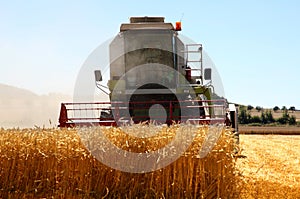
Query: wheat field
(54, 163)
(271, 168)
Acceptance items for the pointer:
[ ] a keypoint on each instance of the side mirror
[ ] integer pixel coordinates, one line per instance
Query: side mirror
(207, 73)
(98, 76)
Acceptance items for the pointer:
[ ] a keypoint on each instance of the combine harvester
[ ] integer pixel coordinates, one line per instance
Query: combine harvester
(154, 76)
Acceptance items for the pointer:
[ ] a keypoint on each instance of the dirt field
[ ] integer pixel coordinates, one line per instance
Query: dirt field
(275, 130)
(271, 168)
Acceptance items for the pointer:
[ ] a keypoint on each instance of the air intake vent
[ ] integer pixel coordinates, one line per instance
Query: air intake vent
(147, 19)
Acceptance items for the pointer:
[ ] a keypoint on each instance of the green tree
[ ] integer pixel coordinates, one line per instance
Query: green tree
(263, 118)
(283, 108)
(258, 108)
(292, 108)
(255, 119)
(284, 119)
(269, 117)
(249, 107)
(292, 120)
(276, 108)
(244, 116)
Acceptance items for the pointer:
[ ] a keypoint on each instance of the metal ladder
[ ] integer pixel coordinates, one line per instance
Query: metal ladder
(195, 61)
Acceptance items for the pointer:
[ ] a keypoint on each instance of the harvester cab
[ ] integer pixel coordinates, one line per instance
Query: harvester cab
(154, 75)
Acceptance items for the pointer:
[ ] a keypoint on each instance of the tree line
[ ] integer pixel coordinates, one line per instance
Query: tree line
(266, 116)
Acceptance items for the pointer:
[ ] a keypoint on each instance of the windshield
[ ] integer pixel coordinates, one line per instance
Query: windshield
(147, 48)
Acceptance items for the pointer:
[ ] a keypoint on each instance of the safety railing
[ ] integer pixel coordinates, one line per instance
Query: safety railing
(115, 113)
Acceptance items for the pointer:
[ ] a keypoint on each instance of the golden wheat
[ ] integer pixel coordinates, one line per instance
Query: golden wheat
(271, 169)
(54, 163)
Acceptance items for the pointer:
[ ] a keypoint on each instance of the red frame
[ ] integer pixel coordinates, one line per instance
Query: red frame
(76, 114)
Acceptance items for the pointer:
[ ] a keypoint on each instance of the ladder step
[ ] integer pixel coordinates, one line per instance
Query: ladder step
(194, 45)
(194, 69)
(193, 61)
(190, 51)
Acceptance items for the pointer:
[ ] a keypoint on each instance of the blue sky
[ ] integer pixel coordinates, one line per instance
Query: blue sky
(254, 44)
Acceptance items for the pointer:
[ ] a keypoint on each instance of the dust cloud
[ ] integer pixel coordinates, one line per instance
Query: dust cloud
(24, 109)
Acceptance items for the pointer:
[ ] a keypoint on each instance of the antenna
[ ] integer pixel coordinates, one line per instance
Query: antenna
(181, 16)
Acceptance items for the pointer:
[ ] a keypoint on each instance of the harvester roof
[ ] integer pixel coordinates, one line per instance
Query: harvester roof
(139, 23)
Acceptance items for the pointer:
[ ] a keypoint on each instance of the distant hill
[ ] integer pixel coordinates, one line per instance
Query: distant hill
(23, 108)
